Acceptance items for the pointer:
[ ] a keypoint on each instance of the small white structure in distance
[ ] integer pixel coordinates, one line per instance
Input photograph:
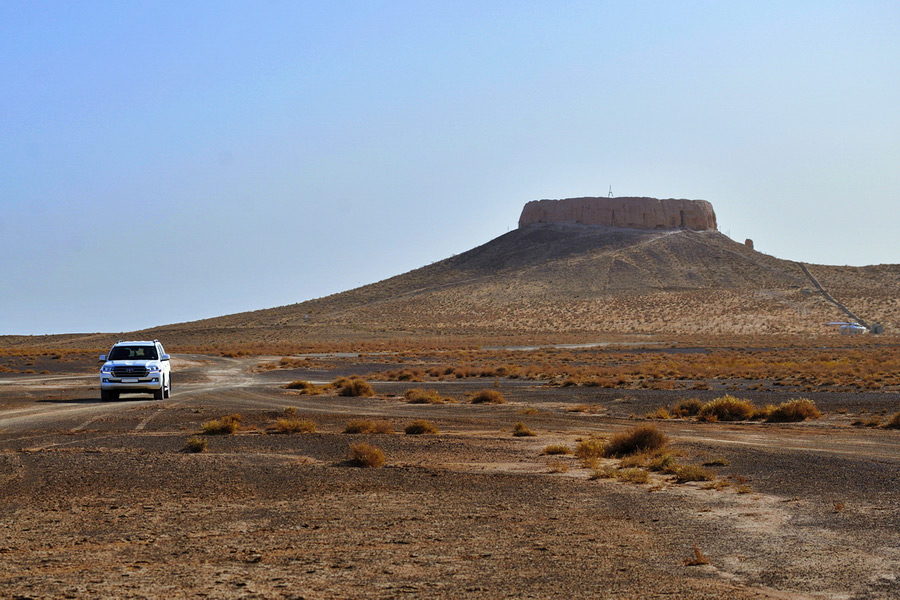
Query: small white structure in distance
(849, 327)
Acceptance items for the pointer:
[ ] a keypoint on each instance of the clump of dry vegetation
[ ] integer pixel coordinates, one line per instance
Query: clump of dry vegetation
(557, 466)
(646, 438)
(633, 475)
(367, 426)
(304, 387)
(422, 396)
(687, 408)
(195, 444)
(726, 408)
(520, 429)
(487, 396)
(589, 451)
(225, 426)
(419, 427)
(697, 559)
(685, 473)
(556, 449)
(288, 425)
(894, 422)
(366, 455)
(798, 409)
(354, 387)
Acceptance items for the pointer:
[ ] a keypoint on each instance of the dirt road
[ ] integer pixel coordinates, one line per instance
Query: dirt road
(97, 499)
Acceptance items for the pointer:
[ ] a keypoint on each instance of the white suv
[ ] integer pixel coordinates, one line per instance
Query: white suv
(135, 367)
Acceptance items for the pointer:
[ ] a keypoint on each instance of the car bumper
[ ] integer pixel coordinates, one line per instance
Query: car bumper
(152, 382)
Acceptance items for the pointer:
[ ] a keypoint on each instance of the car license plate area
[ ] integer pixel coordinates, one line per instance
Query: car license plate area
(130, 380)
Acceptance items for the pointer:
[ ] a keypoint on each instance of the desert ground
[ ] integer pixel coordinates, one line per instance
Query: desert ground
(104, 500)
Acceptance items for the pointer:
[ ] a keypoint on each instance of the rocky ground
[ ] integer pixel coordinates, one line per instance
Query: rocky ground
(100, 500)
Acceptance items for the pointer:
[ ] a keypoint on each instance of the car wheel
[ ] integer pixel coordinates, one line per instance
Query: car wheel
(108, 395)
(168, 393)
(160, 393)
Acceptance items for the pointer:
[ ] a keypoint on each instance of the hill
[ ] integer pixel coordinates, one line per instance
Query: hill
(565, 280)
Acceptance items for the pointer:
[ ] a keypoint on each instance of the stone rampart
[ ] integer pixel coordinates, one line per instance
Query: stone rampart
(633, 213)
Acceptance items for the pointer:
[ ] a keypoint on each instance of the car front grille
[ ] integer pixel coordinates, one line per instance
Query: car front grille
(130, 371)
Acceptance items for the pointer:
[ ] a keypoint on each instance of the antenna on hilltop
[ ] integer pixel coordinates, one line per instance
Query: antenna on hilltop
(610, 192)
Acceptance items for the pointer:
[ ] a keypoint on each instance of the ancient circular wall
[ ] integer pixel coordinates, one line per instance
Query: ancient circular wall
(634, 213)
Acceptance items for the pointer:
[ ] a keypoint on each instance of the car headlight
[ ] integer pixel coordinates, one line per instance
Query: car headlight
(106, 369)
(153, 368)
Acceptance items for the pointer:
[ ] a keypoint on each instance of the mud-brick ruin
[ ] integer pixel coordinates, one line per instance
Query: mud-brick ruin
(633, 213)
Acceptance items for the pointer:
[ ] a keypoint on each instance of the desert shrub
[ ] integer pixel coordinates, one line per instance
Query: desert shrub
(640, 459)
(290, 411)
(530, 410)
(359, 426)
(366, 455)
(355, 387)
(604, 473)
(798, 409)
(763, 414)
(195, 444)
(421, 396)
(299, 385)
(687, 408)
(633, 475)
(697, 559)
(295, 426)
(726, 408)
(589, 448)
(663, 462)
(557, 466)
(382, 426)
(520, 429)
(687, 473)
(646, 438)
(716, 461)
(226, 425)
(660, 413)
(419, 427)
(557, 449)
(894, 422)
(488, 396)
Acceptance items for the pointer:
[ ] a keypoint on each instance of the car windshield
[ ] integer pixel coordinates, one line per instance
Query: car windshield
(133, 353)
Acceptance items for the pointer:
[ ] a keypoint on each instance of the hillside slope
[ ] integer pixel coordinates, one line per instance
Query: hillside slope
(566, 279)
(555, 278)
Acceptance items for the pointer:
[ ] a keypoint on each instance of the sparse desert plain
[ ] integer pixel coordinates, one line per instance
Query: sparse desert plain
(247, 483)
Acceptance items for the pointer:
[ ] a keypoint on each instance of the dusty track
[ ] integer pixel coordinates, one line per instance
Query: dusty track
(98, 501)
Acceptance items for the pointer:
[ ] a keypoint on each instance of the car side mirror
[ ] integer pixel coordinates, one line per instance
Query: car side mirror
(102, 358)
(164, 357)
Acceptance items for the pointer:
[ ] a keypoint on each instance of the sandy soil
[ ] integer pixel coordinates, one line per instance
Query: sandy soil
(98, 500)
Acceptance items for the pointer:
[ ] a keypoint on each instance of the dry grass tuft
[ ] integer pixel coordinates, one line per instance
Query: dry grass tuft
(557, 466)
(422, 396)
(530, 410)
(520, 429)
(798, 409)
(305, 387)
(697, 559)
(727, 408)
(603, 473)
(225, 426)
(488, 396)
(195, 444)
(633, 475)
(366, 455)
(420, 427)
(687, 408)
(716, 461)
(661, 413)
(354, 387)
(894, 422)
(295, 426)
(646, 438)
(591, 448)
(553, 449)
(686, 473)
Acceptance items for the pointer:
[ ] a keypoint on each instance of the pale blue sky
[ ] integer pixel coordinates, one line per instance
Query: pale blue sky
(170, 161)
